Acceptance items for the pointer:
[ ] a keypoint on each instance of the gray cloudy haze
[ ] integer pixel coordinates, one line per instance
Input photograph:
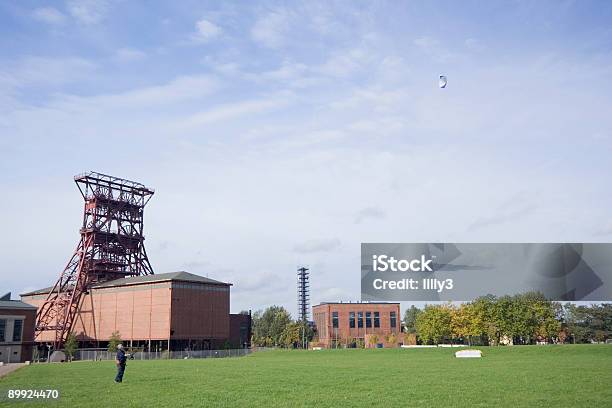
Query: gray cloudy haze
(279, 135)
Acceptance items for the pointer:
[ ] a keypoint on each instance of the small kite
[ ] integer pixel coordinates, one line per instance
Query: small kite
(442, 82)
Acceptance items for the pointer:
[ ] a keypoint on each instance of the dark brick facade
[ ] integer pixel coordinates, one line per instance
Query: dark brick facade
(240, 330)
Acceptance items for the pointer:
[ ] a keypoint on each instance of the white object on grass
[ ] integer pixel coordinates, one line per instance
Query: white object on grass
(468, 354)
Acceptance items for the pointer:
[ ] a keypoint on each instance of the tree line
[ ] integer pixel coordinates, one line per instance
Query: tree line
(521, 319)
(489, 320)
(275, 328)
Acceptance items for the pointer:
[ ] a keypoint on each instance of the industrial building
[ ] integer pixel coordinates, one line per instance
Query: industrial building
(16, 330)
(108, 285)
(173, 311)
(345, 323)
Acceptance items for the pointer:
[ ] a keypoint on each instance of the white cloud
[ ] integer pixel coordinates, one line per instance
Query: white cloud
(426, 42)
(288, 75)
(206, 31)
(49, 15)
(345, 63)
(512, 214)
(178, 90)
(474, 44)
(129, 54)
(434, 48)
(88, 11)
(36, 71)
(369, 213)
(256, 283)
(605, 230)
(271, 29)
(317, 245)
(234, 110)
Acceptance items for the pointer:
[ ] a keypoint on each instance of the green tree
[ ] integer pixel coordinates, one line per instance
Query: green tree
(546, 324)
(482, 318)
(291, 335)
(434, 323)
(70, 346)
(502, 318)
(579, 323)
(306, 333)
(114, 341)
(522, 318)
(464, 322)
(410, 318)
(601, 321)
(268, 326)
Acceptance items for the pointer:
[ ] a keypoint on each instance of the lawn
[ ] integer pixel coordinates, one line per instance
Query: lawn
(560, 376)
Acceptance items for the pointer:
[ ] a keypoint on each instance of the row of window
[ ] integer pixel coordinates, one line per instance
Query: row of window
(372, 319)
(17, 330)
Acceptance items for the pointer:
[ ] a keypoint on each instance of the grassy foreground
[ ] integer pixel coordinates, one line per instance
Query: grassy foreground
(560, 376)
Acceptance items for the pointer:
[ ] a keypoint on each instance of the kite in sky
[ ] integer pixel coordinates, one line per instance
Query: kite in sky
(442, 82)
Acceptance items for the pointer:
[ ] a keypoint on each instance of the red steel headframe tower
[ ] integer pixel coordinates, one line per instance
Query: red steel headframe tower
(111, 247)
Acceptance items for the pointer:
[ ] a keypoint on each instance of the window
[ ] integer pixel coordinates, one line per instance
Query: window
(360, 319)
(335, 320)
(352, 320)
(368, 319)
(17, 329)
(2, 329)
(376, 319)
(393, 320)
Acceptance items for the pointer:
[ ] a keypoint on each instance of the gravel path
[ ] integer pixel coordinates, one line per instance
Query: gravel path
(9, 368)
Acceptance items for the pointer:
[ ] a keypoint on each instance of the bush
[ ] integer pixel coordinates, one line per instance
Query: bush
(359, 343)
(70, 346)
(373, 340)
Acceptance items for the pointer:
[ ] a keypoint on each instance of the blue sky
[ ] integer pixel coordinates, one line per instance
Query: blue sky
(280, 133)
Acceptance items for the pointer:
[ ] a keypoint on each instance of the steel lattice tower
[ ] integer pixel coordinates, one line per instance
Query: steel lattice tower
(303, 289)
(111, 247)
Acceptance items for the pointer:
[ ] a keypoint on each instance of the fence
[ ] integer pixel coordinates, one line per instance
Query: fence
(101, 354)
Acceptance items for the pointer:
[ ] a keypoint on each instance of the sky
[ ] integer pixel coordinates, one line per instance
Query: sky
(279, 134)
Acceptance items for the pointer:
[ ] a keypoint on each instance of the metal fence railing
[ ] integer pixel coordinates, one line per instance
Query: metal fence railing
(98, 355)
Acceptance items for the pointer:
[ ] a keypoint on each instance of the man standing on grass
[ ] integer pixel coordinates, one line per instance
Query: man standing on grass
(120, 360)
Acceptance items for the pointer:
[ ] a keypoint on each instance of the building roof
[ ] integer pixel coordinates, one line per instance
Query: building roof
(15, 304)
(181, 276)
(162, 277)
(7, 303)
(37, 291)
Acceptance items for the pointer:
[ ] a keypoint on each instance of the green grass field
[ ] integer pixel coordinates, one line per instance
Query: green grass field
(559, 376)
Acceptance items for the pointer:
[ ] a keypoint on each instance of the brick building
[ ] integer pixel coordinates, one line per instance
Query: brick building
(344, 323)
(17, 320)
(180, 310)
(240, 330)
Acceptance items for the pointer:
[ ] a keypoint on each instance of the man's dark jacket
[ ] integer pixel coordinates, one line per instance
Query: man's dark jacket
(121, 357)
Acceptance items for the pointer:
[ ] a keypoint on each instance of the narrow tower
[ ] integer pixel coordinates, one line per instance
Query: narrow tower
(303, 288)
(111, 247)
